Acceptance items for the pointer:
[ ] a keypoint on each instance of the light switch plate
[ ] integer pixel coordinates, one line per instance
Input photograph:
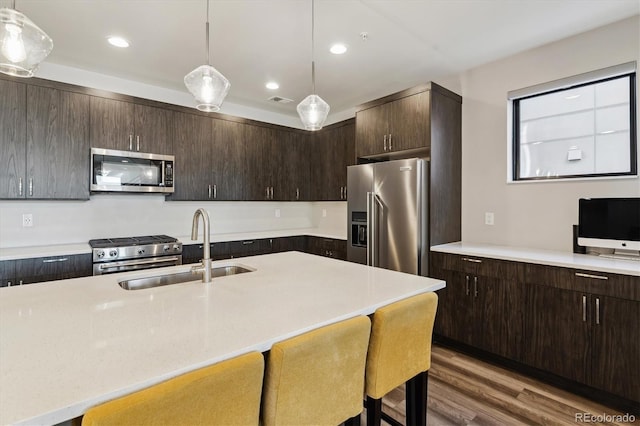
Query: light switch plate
(324, 212)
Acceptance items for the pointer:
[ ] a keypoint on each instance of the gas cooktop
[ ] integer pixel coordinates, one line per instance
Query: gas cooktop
(131, 241)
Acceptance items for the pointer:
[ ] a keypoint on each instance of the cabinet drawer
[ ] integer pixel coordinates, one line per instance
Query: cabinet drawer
(297, 243)
(476, 265)
(53, 268)
(250, 247)
(603, 283)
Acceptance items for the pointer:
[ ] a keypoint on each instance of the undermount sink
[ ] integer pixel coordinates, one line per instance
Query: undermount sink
(180, 277)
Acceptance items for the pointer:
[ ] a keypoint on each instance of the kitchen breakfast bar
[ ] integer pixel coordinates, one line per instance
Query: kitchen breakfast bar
(68, 345)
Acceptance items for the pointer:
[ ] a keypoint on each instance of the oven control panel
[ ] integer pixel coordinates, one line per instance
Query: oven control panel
(110, 254)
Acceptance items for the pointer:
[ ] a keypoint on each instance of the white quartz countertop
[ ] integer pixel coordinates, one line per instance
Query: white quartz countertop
(13, 253)
(68, 345)
(543, 257)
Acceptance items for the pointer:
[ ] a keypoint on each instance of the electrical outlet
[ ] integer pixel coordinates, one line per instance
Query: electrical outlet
(27, 220)
(324, 212)
(277, 212)
(488, 218)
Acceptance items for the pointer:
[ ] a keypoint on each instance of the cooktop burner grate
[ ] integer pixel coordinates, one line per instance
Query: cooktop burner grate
(131, 241)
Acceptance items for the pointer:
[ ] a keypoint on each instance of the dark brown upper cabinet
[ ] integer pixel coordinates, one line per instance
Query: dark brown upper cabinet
(127, 126)
(57, 144)
(334, 151)
(409, 120)
(13, 131)
(45, 139)
(258, 175)
(291, 164)
(227, 158)
(192, 135)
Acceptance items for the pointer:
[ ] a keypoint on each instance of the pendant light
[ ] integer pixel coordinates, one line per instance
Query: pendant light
(206, 83)
(313, 110)
(23, 45)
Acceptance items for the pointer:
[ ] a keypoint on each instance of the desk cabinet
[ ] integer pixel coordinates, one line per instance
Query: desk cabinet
(578, 325)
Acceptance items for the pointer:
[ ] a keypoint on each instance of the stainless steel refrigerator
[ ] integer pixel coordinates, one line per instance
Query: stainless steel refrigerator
(388, 212)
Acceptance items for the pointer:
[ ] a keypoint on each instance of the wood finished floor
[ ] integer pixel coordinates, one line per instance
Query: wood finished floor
(466, 391)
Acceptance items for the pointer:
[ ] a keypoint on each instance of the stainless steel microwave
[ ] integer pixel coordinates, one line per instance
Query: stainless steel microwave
(126, 171)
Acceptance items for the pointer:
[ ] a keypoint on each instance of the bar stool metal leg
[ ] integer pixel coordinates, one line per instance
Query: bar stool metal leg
(416, 397)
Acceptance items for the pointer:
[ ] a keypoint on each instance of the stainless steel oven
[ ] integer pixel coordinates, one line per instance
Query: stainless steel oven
(111, 255)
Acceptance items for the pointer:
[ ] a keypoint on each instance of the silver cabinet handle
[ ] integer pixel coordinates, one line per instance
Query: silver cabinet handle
(246, 243)
(267, 191)
(271, 192)
(30, 187)
(20, 187)
(468, 259)
(390, 148)
(466, 278)
(584, 308)
(597, 277)
(597, 311)
(475, 286)
(130, 142)
(385, 142)
(297, 193)
(342, 192)
(215, 191)
(209, 191)
(137, 142)
(60, 259)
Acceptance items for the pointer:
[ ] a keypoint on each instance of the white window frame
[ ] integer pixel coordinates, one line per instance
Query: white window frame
(628, 68)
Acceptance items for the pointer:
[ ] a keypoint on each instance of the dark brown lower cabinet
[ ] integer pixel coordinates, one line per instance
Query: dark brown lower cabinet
(41, 269)
(556, 337)
(478, 307)
(585, 337)
(615, 346)
(578, 325)
(327, 247)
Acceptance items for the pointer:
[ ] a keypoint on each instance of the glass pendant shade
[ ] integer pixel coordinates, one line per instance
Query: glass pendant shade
(208, 86)
(23, 45)
(313, 112)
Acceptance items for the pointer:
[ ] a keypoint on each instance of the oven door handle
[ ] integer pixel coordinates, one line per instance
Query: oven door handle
(141, 262)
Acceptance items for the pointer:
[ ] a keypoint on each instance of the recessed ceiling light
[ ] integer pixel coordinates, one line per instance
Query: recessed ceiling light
(117, 41)
(272, 85)
(338, 49)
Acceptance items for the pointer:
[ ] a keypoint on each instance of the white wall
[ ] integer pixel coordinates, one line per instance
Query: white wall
(537, 215)
(62, 222)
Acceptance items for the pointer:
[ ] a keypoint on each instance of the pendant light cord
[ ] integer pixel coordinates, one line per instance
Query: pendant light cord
(313, 63)
(207, 33)
(13, 4)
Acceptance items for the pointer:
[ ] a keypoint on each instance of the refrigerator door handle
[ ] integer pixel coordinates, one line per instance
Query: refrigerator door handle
(370, 231)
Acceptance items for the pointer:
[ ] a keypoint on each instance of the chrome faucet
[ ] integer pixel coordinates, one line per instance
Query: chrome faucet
(206, 258)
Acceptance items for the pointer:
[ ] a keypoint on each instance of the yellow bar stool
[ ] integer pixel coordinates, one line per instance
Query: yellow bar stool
(400, 352)
(226, 393)
(317, 378)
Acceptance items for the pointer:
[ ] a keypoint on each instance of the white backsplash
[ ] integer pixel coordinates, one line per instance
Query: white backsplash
(65, 222)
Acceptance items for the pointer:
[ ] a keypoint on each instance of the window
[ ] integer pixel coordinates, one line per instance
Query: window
(579, 127)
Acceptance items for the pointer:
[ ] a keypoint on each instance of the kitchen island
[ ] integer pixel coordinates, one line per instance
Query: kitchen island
(68, 345)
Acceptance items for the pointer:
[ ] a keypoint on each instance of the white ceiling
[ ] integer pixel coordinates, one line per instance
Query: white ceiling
(253, 41)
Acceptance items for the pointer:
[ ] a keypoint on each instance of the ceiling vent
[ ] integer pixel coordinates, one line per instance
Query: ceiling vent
(280, 100)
